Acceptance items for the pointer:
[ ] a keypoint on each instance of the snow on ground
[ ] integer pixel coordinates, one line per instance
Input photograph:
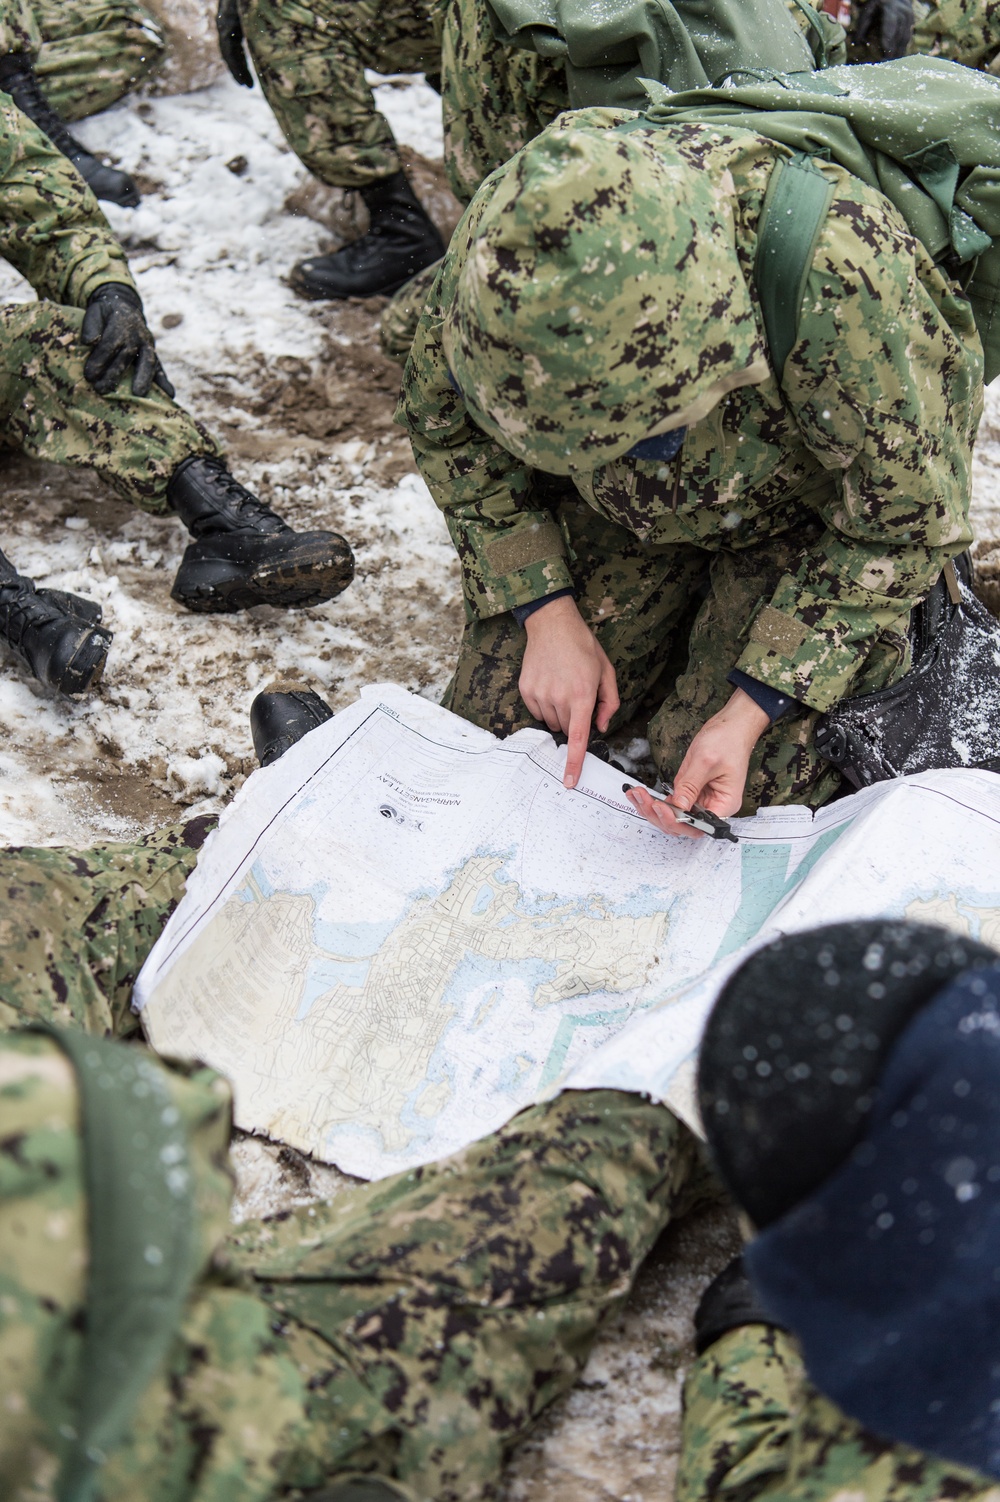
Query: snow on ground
(303, 400)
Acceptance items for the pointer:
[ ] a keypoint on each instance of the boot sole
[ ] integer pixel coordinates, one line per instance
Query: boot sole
(214, 587)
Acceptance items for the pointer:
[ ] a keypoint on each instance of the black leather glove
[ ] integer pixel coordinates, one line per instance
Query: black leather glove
(114, 324)
(895, 20)
(230, 29)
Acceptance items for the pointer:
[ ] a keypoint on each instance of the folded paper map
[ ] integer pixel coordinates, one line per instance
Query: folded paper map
(406, 930)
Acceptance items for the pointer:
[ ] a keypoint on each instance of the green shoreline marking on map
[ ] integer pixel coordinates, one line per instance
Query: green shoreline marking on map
(565, 1033)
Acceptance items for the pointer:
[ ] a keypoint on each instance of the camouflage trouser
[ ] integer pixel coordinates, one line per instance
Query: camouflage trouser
(754, 1428)
(49, 410)
(87, 53)
(494, 99)
(414, 1328)
(401, 315)
(311, 64)
(76, 926)
(673, 619)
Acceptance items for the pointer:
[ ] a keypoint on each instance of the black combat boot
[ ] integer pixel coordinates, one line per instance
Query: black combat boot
(401, 241)
(243, 554)
(17, 78)
(280, 717)
(57, 636)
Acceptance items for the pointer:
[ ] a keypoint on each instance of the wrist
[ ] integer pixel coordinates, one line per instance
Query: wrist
(745, 717)
(553, 612)
(116, 292)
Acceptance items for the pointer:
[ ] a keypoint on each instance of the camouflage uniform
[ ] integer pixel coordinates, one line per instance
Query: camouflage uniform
(311, 64)
(817, 509)
(494, 98)
(86, 53)
(414, 1328)
(55, 235)
(964, 31)
(755, 1428)
(76, 926)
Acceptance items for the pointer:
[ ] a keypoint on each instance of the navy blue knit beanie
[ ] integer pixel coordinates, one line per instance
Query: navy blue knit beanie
(886, 1266)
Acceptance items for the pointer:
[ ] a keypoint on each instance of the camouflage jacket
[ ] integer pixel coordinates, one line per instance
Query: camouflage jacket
(51, 229)
(863, 448)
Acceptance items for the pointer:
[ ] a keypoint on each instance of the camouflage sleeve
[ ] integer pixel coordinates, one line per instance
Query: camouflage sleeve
(739, 1401)
(512, 551)
(51, 229)
(885, 384)
(963, 31)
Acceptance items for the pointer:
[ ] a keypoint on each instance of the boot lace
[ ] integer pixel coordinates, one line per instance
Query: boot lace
(22, 608)
(241, 502)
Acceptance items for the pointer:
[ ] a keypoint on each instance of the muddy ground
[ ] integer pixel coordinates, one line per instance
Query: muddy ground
(303, 400)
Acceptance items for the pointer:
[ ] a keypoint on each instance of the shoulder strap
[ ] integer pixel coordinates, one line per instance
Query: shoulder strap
(142, 1232)
(795, 206)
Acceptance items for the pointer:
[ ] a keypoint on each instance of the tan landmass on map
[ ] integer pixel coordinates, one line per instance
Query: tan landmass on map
(972, 922)
(362, 1050)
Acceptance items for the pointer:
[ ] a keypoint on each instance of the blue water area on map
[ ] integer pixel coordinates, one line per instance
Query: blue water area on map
(484, 897)
(350, 948)
(474, 972)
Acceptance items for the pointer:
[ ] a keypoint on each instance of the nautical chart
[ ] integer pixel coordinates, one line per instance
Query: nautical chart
(406, 930)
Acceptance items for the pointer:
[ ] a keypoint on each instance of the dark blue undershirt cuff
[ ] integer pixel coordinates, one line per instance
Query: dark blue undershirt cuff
(521, 612)
(770, 700)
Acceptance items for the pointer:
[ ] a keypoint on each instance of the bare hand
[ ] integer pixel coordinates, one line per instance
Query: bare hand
(714, 771)
(565, 675)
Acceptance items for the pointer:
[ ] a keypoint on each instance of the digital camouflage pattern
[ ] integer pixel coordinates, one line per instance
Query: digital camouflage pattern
(754, 1428)
(55, 235)
(86, 53)
(494, 98)
(49, 410)
(859, 458)
(51, 229)
(497, 95)
(76, 926)
(568, 333)
(963, 31)
(673, 619)
(311, 65)
(401, 314)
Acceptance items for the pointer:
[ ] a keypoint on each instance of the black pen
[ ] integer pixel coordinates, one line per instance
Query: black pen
(697, 818)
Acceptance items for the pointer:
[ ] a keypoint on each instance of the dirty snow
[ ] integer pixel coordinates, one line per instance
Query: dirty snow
(303, 401)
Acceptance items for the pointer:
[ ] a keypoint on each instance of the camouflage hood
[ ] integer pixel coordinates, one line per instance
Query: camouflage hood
(601, 299)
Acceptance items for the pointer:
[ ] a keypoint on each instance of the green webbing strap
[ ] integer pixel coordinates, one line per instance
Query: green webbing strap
(142, 1240)
(795, 206)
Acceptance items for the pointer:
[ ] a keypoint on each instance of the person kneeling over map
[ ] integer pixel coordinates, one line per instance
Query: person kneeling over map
(650, 508)
(393, 1344)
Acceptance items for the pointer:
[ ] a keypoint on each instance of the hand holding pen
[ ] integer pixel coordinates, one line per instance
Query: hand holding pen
(697, 819)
